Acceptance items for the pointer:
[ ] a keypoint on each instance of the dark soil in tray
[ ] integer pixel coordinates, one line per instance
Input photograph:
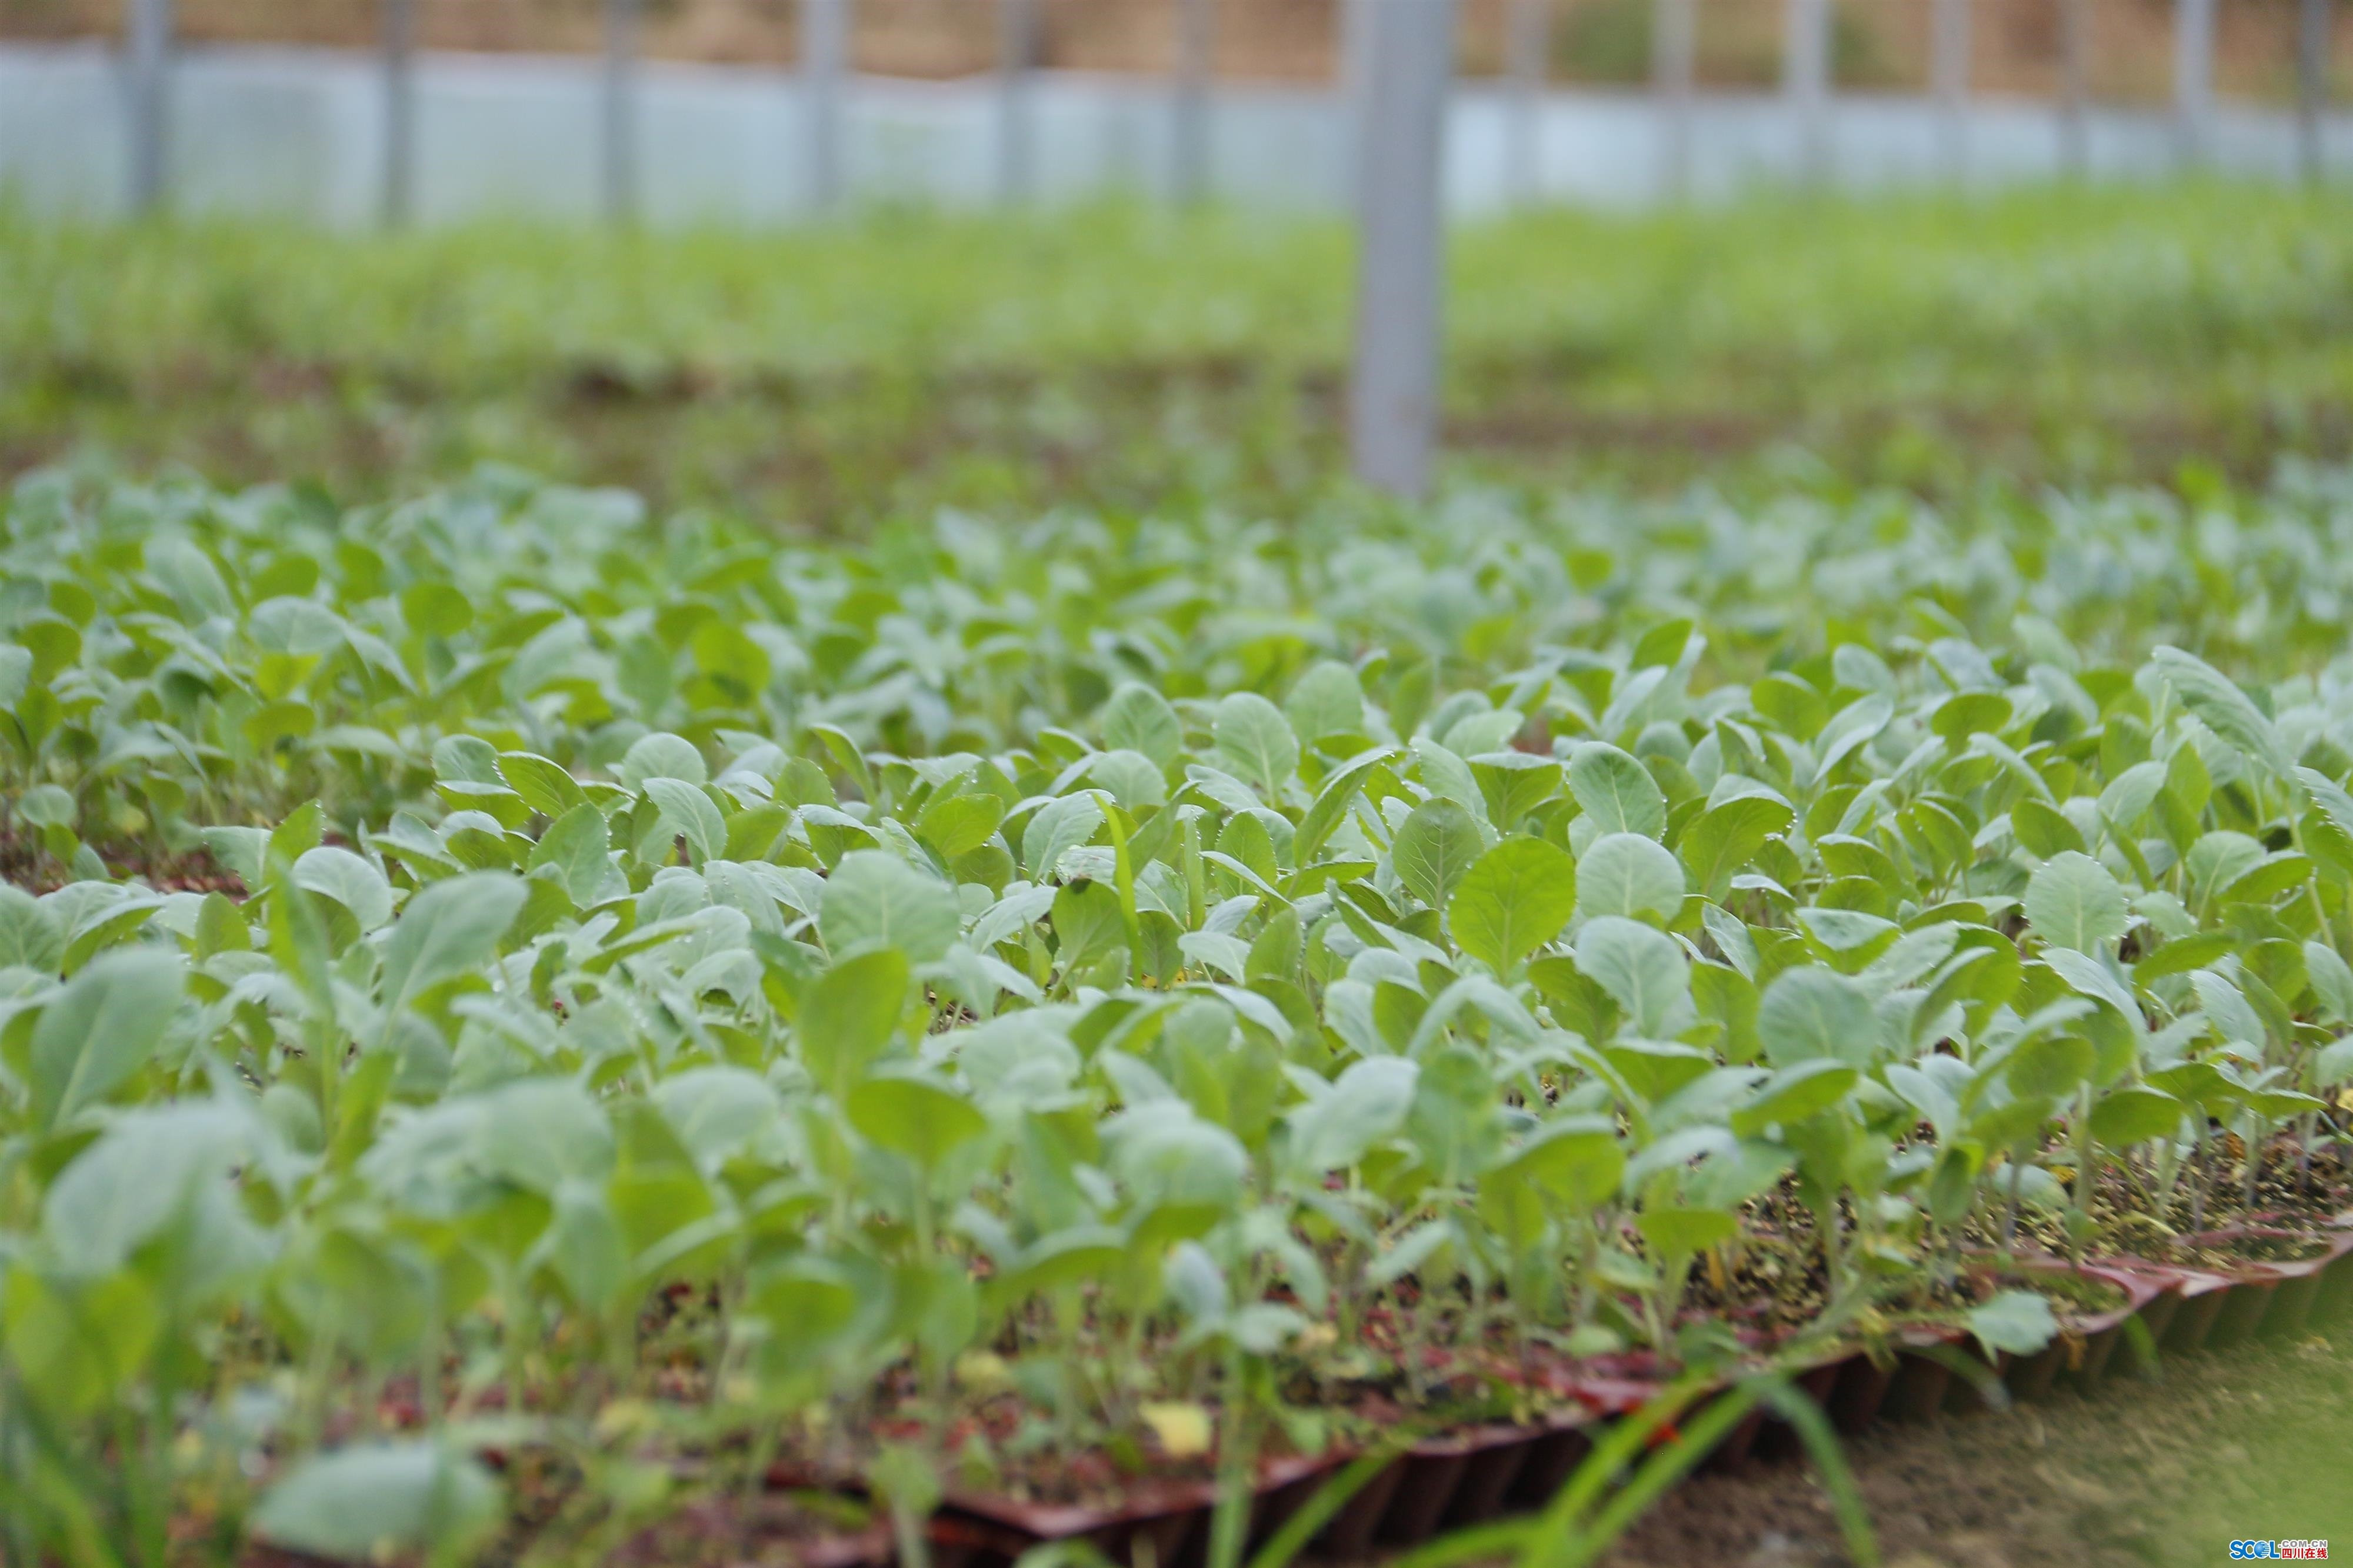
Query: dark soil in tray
(775, 1530)
(2253, 1443)
(2222, 1252)
(2069, 1291)
(2286, 1195)
(1777, 1284)
(25, 864)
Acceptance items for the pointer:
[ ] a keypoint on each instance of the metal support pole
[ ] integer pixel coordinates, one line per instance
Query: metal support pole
(1354, 69)
(148, 50)
(399, 18)
(1017, 57)
(1408, 57)
(2075, 86)
(825, 57)
(1950, 78)
(2312, 42)
(1805, 81)
(1675, 51)
(619, 111)
(2193, 79)
(1188, 104)
(1530, 39)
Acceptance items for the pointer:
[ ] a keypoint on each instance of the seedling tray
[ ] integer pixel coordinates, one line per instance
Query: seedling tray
(1490, 1471)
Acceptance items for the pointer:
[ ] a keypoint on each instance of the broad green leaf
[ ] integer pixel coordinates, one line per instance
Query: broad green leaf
(1256, 741)
(342, 876)
(1434, 846)
(47, 806)
(77, 1344)
(244, 850)
(1578, 1162)
(1057, 828)
(544, 1133)
(1166, 1155)
(31, 936)
(915, 1116)
(448, 929)
(1616, 791)
(585, 1247)
(1681, 1232)
(1644, 971)
(2017, 1322)
(101, 1029)
(299, 626)
(875, 900)
(1366, 1103)
(1326, 700)
(717, 1111)
(2332, 980)
(1515, 898)
(806, 1303)
(1341, 787)
(1812, 1012)
(1627, 874)
(1726, 837)
(2267, 880)
(372, 1501)
(2044, 830)
(848, 1013)
(2134, 1114)
(2091, 977)
(2222, 707)
(1139, 719)
(1795, 1093)
(661, 755)
(1514, 784)
(2051, 1067)
(577, 845)
(1852, 727)
(959, 824)
(1851, 939)
(143, 1173)
(436, 609)
(466, 759)
(2129, 795)
(544, 786)
(2333, 1063)
(2074, 903)
(688, 813)
(2219, 858)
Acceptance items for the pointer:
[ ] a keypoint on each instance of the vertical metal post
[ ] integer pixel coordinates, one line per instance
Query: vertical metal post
(1948, 70)
(2193, 78)
(1525, 47)
(619, 111)
(1674, 50)
(399, 18)
(824, 56)
(1806, 82)
(1355, 75)
(1188, 103)
(2075, 86)
(2312, 42)
(1017, 56)
(148, 51)
(1408, 55)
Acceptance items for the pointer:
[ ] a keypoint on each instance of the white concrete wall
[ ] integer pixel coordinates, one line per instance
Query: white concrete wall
(299, 132)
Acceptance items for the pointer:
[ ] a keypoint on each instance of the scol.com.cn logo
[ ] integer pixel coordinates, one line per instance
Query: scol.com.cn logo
(2280, 1550)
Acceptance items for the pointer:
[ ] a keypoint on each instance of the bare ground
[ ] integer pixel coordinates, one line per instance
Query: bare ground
(2255, 1443)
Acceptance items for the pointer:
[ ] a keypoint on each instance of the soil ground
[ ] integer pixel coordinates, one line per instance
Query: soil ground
(2254, 1443)
(1879, 44)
